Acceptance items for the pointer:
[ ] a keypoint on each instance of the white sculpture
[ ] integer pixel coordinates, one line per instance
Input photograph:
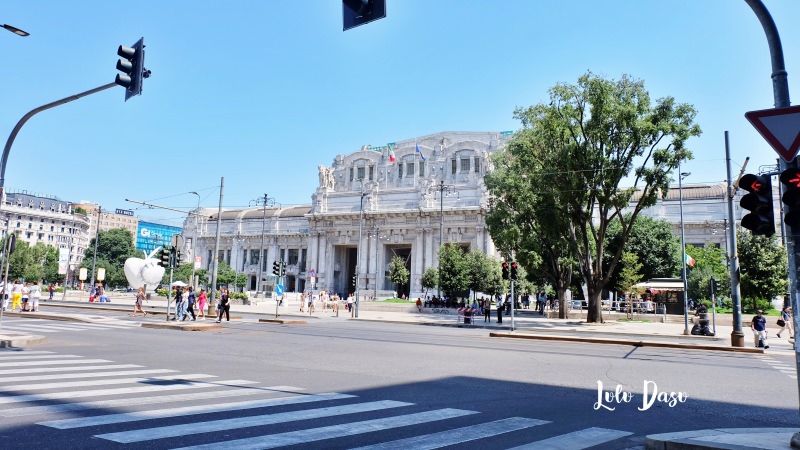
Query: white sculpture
(140, 271)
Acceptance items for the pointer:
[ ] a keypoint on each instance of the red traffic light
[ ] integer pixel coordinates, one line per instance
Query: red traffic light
(754, 183)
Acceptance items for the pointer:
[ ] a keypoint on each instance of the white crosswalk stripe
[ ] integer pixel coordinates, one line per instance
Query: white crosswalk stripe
(576, 440)
(458, 435)
(335, 431)
(55, 326)
(210, 406)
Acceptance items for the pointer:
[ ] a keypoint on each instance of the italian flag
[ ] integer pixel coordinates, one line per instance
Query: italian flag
(689, 261)
(391, 155)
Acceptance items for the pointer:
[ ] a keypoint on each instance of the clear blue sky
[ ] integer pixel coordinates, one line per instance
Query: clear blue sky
(261, 92)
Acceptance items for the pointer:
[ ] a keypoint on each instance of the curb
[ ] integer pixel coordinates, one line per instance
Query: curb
(716, 439)
(283, 321)
(182, 326)
(21, 341)
(627, 342)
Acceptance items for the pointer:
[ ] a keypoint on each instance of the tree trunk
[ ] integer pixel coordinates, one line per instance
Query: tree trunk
(562, 304)
(595, 313)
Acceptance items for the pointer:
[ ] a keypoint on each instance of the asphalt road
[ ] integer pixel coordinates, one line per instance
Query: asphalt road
(403, 386)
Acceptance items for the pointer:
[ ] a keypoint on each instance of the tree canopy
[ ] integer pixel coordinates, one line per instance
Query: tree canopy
(576, 150)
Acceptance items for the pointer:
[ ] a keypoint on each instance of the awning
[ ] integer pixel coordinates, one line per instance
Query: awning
(657, 286)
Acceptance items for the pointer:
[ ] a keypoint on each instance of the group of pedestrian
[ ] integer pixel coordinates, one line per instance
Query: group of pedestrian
(185, 302)
(24, 297)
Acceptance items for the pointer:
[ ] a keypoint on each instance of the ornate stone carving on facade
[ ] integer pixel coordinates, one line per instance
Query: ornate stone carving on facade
(326, 179)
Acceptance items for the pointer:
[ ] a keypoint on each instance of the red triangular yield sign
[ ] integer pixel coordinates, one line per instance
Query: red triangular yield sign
(780, 127)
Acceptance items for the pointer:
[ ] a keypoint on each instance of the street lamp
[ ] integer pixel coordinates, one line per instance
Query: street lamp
(683, 255)
(358, 247)
(444, 190)
(263, 201)
(16, 30)
(194, 240)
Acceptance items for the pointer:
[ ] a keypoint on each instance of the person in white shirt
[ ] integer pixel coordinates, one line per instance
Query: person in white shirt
(16, 296)
(35, 296)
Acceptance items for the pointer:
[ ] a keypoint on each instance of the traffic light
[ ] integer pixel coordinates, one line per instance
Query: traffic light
(276, 268)
(505, 270)
(714, 286)
(791, 197)
(132, 68)
(164, 262)
(514, 271)
(283, 268)
(177, 256)
(761, 219)
(355, 280)
(359, 12)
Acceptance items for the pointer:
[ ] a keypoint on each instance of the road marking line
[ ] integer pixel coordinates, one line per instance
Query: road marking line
(73, 384)
(108, 419)
(119, 391)
(8, 353)
(19, 357)
(45, 363)
(576, 440)
(148, 434)
(458, 435)
(60, 376)
(66, 369)
(334, 431)
(138, 401)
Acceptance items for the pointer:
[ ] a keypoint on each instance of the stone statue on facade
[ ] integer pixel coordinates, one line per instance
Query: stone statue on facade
(326, 179)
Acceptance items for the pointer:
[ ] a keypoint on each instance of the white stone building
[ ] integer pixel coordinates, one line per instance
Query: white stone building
(364, 201)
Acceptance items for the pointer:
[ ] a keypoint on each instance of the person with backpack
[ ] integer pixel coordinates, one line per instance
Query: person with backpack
(180, 313)
(190, 299)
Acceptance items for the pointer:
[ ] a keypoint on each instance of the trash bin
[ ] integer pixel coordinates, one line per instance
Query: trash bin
(467, 317)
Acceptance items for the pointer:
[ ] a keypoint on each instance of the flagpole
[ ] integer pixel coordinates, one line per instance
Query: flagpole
(415, 162)
(386, 166)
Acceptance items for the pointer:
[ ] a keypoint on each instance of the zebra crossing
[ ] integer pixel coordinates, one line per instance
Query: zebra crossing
(129, 404)
(787, 369)
(42, 326)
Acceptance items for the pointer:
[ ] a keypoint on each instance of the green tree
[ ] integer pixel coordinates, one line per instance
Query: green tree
(653, 244)
(484, 272)
(763, 266)
(430, 279)
(710, 261)
(113, 246)
(630, 273)
(398, 273)
(454, 271)
(519, 202)
(588, 139)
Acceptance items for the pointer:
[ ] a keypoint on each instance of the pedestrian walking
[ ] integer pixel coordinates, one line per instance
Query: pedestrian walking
(224, 306)
(759, 327)
(178, 295)
(35, 296)
(190, 300)
(52, 289)
(785, 322)
(201, 303)
(5, 291)
(137, 305)
(16, 296)
(302, 301)
(487, 310)
(541, 301)
(311, 303)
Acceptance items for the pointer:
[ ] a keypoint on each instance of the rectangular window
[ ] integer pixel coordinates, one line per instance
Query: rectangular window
(464, 165)
(351, 174)
(222, 255)
(228, 258)
(422, 169)
(371, 172)
(254, 256)
(293, 257)
(360, 173)
(477, 164)
(410, 169)
(208, 261)
(400, 170)
(453, 166)
(303, 260)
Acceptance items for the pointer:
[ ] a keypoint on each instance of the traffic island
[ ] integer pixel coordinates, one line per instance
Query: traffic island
(629, 342)
(284, 321)
(183, 326)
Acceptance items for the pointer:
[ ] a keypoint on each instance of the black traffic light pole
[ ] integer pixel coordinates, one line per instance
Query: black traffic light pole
(780, 92)
(33, 112)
